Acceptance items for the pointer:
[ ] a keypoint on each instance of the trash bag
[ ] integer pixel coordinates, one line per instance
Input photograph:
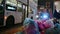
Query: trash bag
(40, 25)
(48, 24)
(45, 24)
(31, 27)
(54, 30)
(57, 28)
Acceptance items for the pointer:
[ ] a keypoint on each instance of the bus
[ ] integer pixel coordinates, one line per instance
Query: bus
(12, 12)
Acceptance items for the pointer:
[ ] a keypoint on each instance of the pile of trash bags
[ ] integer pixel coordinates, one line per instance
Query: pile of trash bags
(40, 27)
(45, 24)
(55, 30)
(31, 27)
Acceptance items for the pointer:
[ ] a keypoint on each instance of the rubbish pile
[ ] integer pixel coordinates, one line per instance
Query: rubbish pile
(40, 26)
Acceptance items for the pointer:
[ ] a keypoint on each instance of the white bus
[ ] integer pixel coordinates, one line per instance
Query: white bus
(12, 12)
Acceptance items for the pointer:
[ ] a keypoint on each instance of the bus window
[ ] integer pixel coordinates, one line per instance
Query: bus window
(1, 13)
(0, 1)
(11, 8)
(11, 2)
(20, 9)
(1, 7)
(24, 7)
(11, 5)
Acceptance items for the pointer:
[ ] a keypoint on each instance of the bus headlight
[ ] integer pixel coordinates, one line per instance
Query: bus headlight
(5, 17)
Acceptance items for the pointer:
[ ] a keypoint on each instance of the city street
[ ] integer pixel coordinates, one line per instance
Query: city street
(29, 16)
(17, 29)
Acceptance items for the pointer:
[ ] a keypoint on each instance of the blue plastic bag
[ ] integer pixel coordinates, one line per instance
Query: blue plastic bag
(55, 30)
(30, 26)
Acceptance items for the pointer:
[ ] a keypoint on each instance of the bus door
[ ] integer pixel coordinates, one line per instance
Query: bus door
(24, 11)
(1, 12)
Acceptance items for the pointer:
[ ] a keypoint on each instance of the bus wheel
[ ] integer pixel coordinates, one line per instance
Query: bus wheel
(10, 21)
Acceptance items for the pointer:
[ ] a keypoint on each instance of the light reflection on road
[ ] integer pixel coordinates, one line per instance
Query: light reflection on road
(13, 30)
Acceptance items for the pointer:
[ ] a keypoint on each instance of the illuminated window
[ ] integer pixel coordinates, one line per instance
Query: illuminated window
(1, 7)
(11, 5)
(11, 2)
(0, 1)
(24, 7)
(20, 9)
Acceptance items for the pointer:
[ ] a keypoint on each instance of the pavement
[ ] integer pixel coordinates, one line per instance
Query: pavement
(12, 30)
(18, 29)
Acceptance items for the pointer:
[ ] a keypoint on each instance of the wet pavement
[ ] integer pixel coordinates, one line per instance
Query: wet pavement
(19, 29)
(11, 30)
